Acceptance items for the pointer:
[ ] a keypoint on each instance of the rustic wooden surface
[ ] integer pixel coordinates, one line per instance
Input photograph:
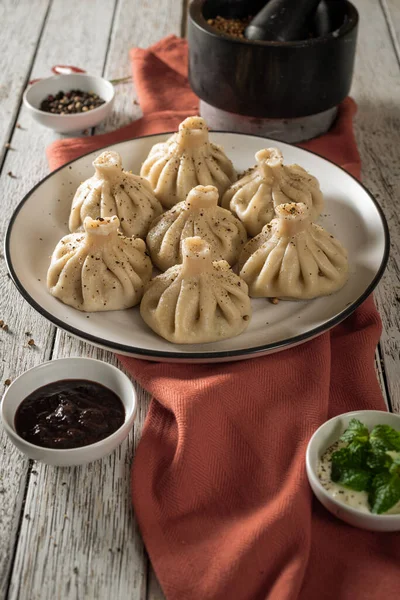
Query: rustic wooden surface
(70, 533)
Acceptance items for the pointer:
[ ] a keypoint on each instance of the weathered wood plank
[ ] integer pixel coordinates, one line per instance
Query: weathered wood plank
(16, 355)
(376, 88)
(21, 25)
(391, 9)
(137, 23)
(60, 43)
(103, 487)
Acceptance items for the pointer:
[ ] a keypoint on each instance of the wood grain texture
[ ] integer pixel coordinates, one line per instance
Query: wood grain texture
(137, 23)
(391, 9)
(21, 26)
(59, 44)
(99, 552)
(376, 88)
(16, 355)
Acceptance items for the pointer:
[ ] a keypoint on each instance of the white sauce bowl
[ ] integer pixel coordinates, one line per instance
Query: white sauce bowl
(322, 439)
(69, 368)
(36, 93)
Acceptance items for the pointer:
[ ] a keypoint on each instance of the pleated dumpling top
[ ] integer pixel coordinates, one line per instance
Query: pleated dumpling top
(99, 269)
(113, 191)
(293, 258)
(199, 215)
(198, 301)
(185, 160)
(270, 183)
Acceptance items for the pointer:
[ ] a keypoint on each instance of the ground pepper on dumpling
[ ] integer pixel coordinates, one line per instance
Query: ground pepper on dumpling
(113, 191)
(293, 258)
(199, 215)
(99, 269)
(197, 302)
(185, 160)
(270, 183)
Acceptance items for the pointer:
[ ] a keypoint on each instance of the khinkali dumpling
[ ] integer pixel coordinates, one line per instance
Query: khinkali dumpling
(293, 257)
(185, 160)
(199, 215)
(270, 183)
(197, 302)
(113, 191)
(99, 269)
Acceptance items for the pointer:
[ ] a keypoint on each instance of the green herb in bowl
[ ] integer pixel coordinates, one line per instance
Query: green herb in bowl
(364, 467)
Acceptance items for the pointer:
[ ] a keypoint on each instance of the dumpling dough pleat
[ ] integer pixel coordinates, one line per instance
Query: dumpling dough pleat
(197, 302)
(293, 258)
(113, 191)
(99, 269)
(185, 160)
(199, 215)
(271, 183)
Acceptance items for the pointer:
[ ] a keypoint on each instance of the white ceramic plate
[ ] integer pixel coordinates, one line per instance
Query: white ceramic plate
(351, 214)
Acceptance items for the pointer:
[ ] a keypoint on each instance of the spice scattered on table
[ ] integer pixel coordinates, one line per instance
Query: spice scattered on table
(8, 146)
(3, 325)
(11, 174)
(31, 342)
(72, 102)
(7, 382)
(232, 27)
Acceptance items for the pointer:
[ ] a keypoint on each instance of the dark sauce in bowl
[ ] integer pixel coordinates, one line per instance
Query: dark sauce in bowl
(69, 414)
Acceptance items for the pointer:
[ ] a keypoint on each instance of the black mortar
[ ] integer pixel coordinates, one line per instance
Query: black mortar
(271, 80)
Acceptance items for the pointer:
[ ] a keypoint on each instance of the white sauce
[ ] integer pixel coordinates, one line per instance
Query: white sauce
(357, 500)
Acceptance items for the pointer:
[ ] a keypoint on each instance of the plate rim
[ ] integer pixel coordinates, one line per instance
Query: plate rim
(182, 356)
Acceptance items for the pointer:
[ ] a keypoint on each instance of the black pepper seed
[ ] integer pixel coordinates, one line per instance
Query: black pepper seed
(74, 101)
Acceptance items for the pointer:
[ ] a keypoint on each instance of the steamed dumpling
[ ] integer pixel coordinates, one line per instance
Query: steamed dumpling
(113, 191)
(197, 302)
(185, 160)
(270, 183)
(199, 215)
(293, 258)
(99, 269)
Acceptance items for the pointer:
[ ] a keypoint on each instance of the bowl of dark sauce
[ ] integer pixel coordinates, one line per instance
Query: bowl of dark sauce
(69, 411)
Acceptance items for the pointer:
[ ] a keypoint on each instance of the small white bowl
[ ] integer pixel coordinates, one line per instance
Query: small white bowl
(36, 93)
(327, 435)
(69, 368)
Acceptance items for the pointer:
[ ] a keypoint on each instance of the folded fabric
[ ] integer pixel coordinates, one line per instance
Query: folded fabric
(218, 481)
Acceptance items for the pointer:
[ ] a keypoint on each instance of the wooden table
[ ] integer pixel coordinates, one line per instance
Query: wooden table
(69, 533)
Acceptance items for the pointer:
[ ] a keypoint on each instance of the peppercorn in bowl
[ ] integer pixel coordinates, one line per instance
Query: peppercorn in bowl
(72, 102)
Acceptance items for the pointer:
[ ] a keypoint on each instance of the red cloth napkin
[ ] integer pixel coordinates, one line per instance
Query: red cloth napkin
(218, 482)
